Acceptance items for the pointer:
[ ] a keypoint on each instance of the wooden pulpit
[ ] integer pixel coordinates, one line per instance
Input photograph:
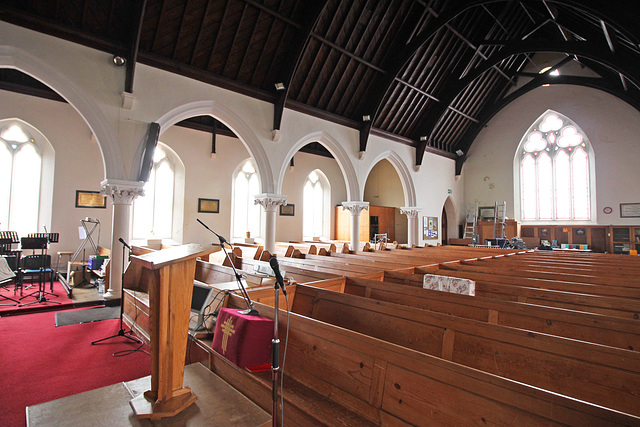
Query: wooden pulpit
(169, 274)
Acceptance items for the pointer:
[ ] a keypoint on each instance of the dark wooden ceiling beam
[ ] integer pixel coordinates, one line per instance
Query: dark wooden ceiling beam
(594, 51)
(134, 45)
(235, 37)
(312, 14)
(489, 113)
(217, 36)
(275, 14)
(607, 36)
(199, 37)
(403, 36)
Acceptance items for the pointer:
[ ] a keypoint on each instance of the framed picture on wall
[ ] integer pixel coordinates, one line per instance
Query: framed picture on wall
(90, 199)
(629, 210)
(209, 205)
(287, 210)
(486, 212)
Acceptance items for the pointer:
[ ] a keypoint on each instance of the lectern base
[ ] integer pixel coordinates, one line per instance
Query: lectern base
(146, 405)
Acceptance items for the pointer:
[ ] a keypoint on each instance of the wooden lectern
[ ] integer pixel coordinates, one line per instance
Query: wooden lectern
(169, 274)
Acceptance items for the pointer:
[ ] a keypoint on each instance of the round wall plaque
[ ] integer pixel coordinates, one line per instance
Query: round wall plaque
(607, 210)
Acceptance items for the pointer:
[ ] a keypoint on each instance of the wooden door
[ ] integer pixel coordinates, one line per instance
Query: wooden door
(443, 227)
(598, 239)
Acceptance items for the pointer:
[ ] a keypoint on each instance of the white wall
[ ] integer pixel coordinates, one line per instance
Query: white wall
(290, 227)
(612, 126)
(78, 166)
(89, 80)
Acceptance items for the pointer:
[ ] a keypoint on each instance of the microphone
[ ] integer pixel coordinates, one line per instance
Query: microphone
(125, 244)
(273, 261)
(222, 239)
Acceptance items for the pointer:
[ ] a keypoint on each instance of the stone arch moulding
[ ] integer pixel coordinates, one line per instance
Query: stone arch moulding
(403, 172)
(233, 122)
(338, 153)
(15, 58)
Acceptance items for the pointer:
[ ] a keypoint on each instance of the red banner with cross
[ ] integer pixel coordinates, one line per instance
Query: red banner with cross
(242, 339)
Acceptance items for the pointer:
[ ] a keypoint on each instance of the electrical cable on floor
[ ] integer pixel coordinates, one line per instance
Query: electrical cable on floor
(122, 353)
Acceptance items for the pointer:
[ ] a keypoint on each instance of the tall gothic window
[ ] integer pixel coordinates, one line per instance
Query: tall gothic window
(153, 212)
(555, 174)
(247, 216)
(20, 173)
(315, 202)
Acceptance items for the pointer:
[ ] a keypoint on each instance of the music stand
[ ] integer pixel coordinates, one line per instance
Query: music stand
(38, 243)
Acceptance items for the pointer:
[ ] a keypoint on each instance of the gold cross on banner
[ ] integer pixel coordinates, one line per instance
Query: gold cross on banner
(227, 331)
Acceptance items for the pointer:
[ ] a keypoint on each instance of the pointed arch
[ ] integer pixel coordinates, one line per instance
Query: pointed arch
(338, 153)
(16, 58)
(234, 122)
(403, 172)
(547, 172)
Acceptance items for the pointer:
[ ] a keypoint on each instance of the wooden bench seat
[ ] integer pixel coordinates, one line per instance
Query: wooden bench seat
(494, 287)
(598, 374)
(599, 329)
(388, 384)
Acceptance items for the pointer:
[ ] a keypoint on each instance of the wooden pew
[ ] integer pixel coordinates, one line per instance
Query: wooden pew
(598, 374)
(605, 330)
(521, 279)
(608, 306)
(335, 377)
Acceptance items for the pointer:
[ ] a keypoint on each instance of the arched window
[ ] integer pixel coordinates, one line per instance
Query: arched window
(153, 213)
(554, 161)
(247, 216)
(316, 201)
(20, 177)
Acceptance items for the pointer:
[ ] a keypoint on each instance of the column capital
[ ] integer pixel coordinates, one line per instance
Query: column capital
(411, 211)
(122, 192)
(270, 201)
(355, 207)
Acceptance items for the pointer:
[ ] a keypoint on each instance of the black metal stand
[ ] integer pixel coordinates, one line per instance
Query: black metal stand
(251, 311)
(41, 243)
(275, 342)
(121, 332)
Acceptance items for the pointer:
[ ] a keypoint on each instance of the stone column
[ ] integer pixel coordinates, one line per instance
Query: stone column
(413, 228)
(355, 208)
(270, 203)
(122, 194)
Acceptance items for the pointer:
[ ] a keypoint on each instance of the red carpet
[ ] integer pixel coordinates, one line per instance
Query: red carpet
(41, 362)
(58, 290)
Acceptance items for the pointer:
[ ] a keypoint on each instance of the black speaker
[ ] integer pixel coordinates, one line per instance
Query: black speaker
(150, 142)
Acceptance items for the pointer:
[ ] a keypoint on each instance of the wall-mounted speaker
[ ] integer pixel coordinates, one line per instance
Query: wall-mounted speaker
(150, 142)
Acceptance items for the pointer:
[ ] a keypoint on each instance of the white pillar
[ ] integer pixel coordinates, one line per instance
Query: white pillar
(413, 228)
(122, 195)
(355, 208)
(270, 203)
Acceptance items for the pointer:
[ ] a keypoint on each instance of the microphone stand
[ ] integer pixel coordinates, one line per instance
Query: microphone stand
(251, 311)
(121, 332)
(275, 342)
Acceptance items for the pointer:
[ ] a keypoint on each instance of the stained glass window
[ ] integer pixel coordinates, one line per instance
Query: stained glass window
(554, 171)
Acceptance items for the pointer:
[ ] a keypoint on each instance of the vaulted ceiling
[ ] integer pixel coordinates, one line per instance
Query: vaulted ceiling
(428, 73)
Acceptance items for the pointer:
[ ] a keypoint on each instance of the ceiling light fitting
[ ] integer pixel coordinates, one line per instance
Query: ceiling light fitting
(279, 86)
(423, 138)
(366, 118)
(119, 60)
(460, 153)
